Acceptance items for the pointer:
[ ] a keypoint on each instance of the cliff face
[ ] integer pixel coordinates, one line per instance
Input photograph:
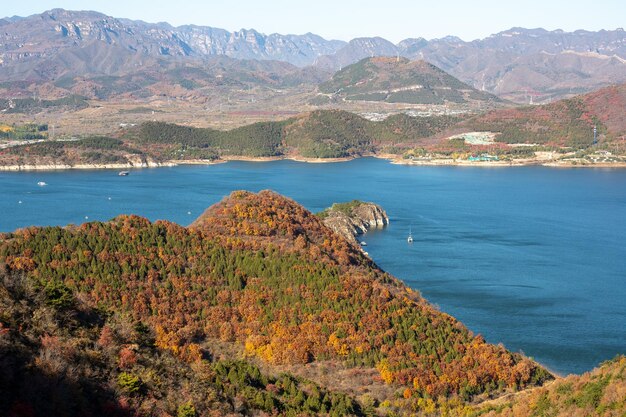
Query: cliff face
(354, 218)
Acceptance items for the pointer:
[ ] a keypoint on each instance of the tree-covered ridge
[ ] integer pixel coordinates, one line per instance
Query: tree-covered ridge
(182, 142)
(61, 357)
(267, 219)
(563, 123)
(319, 134)
(328, 134)
(32, 105)
(568, 122)
(399, 80)
(260, 271)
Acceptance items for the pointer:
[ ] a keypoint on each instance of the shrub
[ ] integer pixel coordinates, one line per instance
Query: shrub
(129, 383)
(186, 410)
(58, 295)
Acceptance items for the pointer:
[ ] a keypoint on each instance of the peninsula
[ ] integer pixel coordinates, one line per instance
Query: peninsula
(255, 286)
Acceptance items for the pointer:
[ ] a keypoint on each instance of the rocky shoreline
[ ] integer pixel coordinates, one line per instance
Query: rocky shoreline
(354, 218)
(170, 163)
(58, 167)
(513, 163)
(394, 159)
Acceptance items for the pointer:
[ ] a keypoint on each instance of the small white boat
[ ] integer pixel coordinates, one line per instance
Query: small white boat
(42, 184)
(410, 238)
(363, 243)
(123, 173)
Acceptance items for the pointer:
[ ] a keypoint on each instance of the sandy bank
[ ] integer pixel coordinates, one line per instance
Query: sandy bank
(289, 157)
(394, 159)
(53, 167)
(513, 163)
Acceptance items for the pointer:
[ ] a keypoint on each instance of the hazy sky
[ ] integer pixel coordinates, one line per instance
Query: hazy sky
(346, 19)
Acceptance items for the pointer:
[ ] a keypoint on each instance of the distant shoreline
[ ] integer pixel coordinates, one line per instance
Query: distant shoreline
(67, 167)
(505, 164)
(393, 159)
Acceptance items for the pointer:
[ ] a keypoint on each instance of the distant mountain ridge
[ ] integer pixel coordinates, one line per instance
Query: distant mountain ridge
(518, 64)
(43, 35)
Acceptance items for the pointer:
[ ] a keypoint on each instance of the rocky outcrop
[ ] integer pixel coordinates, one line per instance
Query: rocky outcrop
(354, 218)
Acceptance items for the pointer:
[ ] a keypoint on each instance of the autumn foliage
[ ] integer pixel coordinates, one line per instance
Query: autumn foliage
(601, 392)
(261, 271)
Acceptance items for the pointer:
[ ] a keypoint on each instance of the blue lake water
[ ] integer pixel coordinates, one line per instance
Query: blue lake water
(531, 257)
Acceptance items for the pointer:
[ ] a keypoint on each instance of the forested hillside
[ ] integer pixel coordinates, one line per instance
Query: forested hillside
(256, 270)
(399, 80)
(319, 134)
(567, 122)
(63, 356)
(564, 126)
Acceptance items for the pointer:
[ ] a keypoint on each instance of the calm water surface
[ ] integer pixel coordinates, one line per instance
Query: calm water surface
(531, 257)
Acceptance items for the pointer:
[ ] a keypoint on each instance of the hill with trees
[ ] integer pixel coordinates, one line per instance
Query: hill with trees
(563, 126)
(399, 80)
(318, 134)
(137, 314)
(62, 356)
(566, 122)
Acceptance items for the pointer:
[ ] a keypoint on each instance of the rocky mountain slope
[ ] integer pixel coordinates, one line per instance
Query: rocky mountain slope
(54, 31)
(215, 77)
(60, 53)
(517, 64)
(398, 80)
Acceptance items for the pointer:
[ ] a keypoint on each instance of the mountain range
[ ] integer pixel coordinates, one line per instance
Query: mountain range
(517, 64)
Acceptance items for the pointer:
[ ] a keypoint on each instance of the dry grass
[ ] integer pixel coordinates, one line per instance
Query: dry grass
(220, 111)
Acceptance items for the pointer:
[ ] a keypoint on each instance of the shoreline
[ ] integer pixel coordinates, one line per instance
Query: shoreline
(494, 164)
(66, 167)
(287, 158)
(393, 159)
